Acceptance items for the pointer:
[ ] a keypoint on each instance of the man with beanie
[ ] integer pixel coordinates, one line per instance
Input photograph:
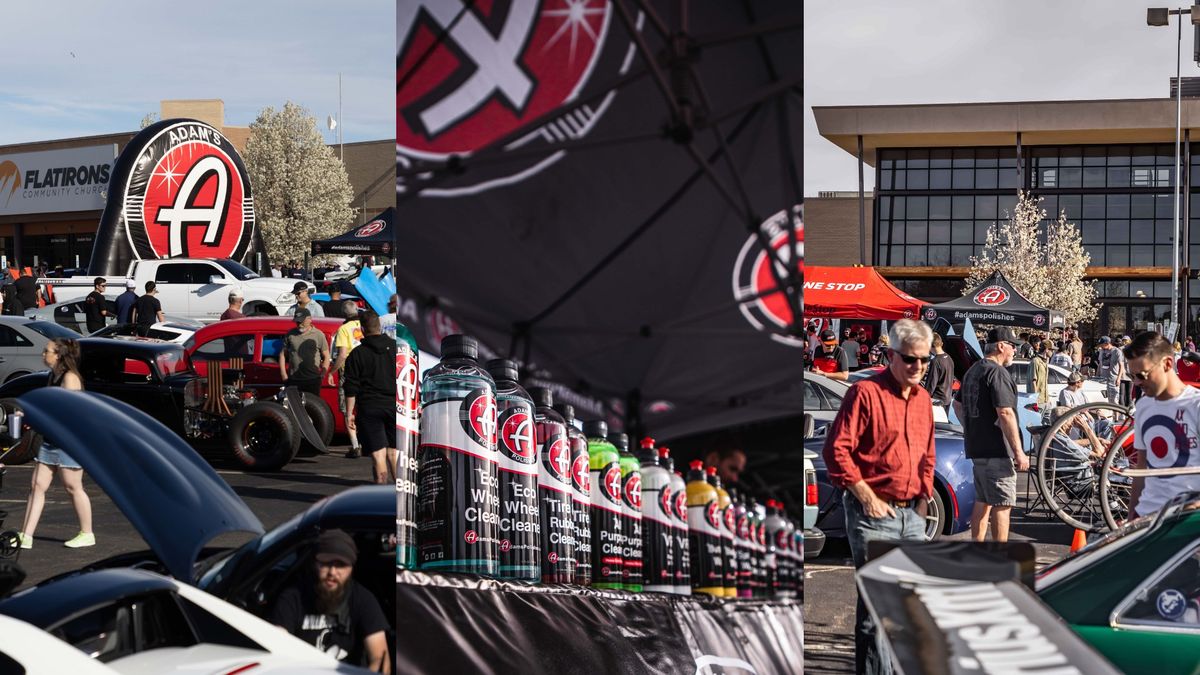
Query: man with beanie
(332, 612)
(370, 385)
(126, 301)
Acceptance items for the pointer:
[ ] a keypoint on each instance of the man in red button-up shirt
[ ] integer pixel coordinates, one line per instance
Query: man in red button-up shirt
(879, 449)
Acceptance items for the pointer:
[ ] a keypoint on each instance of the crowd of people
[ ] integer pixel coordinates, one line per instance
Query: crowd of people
(879, 449)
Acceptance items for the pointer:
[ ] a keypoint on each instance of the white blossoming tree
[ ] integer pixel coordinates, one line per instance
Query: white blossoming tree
(301, 192)
(1046, 268)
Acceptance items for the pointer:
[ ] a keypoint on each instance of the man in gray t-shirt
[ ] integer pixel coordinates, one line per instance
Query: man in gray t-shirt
(305, 358)
(1112, 367)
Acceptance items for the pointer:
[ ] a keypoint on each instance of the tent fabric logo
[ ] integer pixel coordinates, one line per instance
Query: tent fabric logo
(370, 229)
(10, 174)
(188, 195)
(1038, 319)
(759, 297)
(992, 296)
(469, 74)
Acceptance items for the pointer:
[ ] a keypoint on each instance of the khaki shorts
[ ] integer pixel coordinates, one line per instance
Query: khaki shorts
(995, 481)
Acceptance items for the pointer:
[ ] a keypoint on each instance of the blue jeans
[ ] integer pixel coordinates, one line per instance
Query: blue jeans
(908, 525)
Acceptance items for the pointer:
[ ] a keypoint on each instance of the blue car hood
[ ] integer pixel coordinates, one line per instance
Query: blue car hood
(171, 496)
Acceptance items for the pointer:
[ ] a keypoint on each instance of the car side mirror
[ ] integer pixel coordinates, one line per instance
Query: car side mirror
(216, 279)
(809, 426)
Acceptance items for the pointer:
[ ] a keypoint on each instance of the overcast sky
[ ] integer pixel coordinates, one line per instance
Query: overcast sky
(79, 67)
(877, 52)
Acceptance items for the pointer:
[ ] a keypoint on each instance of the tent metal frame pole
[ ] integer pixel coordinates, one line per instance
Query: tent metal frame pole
(647, 57)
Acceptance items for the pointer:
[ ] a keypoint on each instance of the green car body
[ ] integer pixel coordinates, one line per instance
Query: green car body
(1100, 591)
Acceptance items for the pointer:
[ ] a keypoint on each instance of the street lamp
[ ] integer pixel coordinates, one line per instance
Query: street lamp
(1160, 16)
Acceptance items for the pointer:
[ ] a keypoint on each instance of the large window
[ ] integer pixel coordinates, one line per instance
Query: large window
(935, 205)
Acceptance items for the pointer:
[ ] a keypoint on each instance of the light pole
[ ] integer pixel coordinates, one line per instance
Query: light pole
(1160, 16)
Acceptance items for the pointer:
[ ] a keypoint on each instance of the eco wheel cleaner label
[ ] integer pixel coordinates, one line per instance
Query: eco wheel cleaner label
(459, 502)
(407, 439)
(520, 515)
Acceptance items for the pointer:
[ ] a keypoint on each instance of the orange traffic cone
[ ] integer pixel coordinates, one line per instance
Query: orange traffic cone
(1078, 541)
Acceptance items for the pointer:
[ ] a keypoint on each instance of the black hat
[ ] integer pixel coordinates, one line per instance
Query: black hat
(301, 314)
(1003, 334)
(336, 545)
(828, 336)
(299, 286)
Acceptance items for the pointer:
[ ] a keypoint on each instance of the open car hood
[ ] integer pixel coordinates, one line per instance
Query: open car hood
(171, 496)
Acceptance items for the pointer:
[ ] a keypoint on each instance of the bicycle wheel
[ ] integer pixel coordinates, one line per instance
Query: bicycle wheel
(1069, 483)
(1114, 488)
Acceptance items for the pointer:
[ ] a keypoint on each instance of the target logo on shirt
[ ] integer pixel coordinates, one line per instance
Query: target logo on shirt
(1167, 442)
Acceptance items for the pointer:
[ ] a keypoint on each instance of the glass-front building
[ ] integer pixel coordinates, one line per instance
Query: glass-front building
(933, 208)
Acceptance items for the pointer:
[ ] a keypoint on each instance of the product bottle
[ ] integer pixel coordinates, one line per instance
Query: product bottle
(777, 564)
(608, 561)
(758, 532)
(458, 506)
(708, 569)
(658, 529)
(790, 580)
(520, 516)
(581, 495)
(408, 438)
(725, 528)
(741, 543)
(682, 563)
(631, 501)
(554, 490)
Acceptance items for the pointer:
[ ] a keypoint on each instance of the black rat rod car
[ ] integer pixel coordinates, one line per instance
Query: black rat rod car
(214, 412)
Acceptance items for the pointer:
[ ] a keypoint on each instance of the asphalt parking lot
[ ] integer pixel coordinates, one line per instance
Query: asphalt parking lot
(830, 593)
(273, 497)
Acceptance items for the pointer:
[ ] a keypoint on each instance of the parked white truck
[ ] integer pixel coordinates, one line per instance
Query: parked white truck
(195, 288)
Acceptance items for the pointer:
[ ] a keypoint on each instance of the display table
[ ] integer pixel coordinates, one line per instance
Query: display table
(458, 623)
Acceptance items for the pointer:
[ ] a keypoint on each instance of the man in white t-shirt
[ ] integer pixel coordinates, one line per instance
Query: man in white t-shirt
(1166, 423)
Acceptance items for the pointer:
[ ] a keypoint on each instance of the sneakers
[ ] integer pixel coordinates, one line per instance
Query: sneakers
(81, 540)
(354, 453)
(26, 541)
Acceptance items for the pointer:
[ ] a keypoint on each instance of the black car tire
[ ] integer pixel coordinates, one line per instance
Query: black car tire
(263, 436)
(31, 441)
(322, 419)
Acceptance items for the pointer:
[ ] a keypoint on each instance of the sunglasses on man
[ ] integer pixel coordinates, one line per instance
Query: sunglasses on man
(909, 359)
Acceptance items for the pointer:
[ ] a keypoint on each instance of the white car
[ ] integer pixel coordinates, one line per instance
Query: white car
(135, 621)
(173, 329)
(1093, 389)
(823, 397)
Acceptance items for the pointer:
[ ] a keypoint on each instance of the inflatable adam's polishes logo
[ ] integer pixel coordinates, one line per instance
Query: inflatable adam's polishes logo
(179, 189)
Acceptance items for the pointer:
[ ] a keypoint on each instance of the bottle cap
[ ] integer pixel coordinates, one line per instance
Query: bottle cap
(664, 452)
(696, 465)
(566, 410)
(647, 443)
(542, 397)
(460, 346)
(595, 429)
(712, 471)
(502, 369)
(620, 440)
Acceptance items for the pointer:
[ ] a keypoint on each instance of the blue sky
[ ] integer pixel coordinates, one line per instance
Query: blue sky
(75, 68)
(877, 52)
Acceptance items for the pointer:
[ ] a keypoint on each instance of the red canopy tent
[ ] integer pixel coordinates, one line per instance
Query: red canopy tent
(855, 293)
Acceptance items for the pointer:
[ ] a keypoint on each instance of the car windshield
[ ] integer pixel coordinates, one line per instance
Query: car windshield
(173, 363)
(238, 270)
(52, 330)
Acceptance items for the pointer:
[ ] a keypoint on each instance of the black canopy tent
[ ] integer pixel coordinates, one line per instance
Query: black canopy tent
(375, 237)
(639, 240)
(995, 302)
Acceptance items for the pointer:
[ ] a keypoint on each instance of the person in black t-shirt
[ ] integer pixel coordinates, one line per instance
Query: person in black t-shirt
(939, 381)
(95, 308)
(27, 290)
(334, 613)
(992, 435)
(147, 310)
